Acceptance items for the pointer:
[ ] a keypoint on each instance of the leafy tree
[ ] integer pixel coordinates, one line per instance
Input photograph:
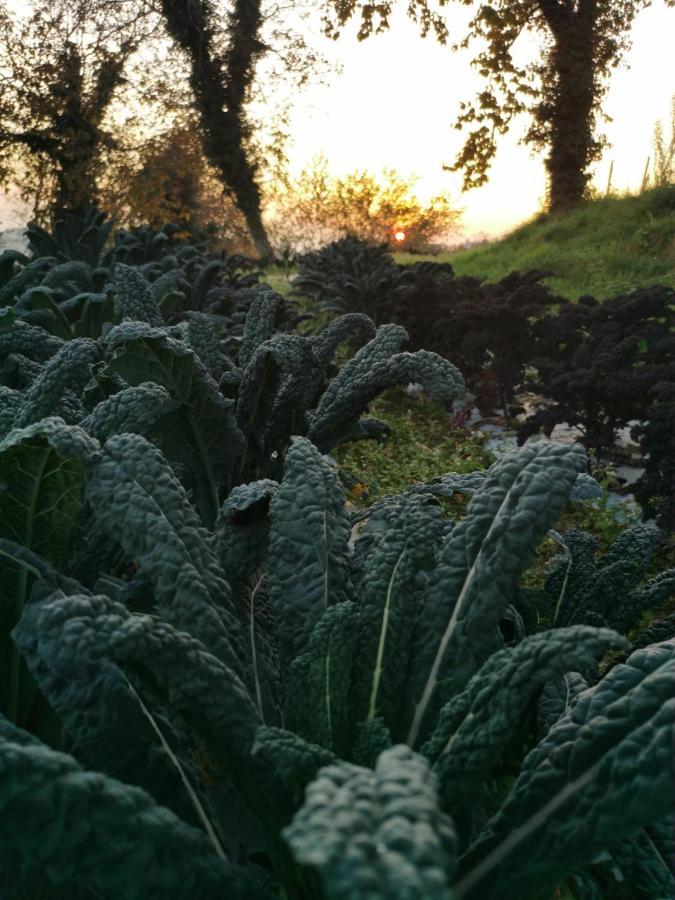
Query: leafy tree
(169, 180)
(61, 66)
(562, 89)
(318, 207)
(236, 51)
(221, 81)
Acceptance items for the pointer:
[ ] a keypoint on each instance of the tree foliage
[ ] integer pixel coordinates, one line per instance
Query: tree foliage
(169, 180)
(561, 89)
(61, 66)
(319, 206)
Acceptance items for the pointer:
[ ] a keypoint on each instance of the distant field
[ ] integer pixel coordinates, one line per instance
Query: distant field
(604, 248)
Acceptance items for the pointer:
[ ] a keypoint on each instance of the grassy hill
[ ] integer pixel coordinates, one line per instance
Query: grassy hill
(606, 247)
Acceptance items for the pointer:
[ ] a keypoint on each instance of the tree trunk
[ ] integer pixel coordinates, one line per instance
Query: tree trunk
(225, 153)
(75, 181)
(77, 125)
(220, 87)
(572, 147)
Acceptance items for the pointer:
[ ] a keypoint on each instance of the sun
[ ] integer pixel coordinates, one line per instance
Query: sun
(399, 235)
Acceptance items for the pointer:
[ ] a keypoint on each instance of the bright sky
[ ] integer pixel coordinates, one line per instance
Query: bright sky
(395, 101)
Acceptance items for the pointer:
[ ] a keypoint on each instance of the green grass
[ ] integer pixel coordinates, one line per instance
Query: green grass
(422, 446)
(277, 278)
(605, 247)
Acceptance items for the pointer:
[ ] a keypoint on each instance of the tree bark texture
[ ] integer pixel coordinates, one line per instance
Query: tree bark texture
(220, 85)
(572, 146)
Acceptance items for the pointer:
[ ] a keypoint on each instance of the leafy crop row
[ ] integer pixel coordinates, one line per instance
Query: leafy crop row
(220, 680)
(601, 365)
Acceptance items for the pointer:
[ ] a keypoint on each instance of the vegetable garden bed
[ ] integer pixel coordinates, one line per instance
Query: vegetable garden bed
(225, 672)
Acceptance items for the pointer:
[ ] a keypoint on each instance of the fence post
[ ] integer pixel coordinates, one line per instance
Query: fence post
(609, 179)
(645, 177)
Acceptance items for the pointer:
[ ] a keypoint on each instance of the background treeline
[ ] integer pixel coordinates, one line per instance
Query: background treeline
(177, 110)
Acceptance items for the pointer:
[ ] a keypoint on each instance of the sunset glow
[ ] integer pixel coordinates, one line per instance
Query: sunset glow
(358, 122)
(399, 236)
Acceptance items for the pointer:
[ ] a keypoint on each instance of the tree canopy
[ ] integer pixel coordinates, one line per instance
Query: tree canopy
(562, 89)
(61, 65)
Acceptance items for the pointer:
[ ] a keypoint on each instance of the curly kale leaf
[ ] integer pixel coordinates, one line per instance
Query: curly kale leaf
(244, 498)
(42, 472)
(241, 533)
(374, 368)
(477, 726)
(39, 306)
(556, 698)
(64, 638)
(66, 370)
(19, 372)
(478, 569)
(167, 283)
(41, 506)
(85, 828)
(133, 297)
(200, 436)
(371, 738)
(608, 590)
(90, 314)
(208, 695)
(132, 410)
(376, 833)
(388, 606)
(29, 276)
(78, 235)
(604, 769)
(140, 353)
(260, 323)
(308, 562)
(348, 327)
(319, 679)
(8, 263)
(138, 500)
(276, 389)
(241, 543)
(387, 341)
(661, 629)
(10, 404)
(585, 488)
(200, 336)
(285, 764)
(639, 869)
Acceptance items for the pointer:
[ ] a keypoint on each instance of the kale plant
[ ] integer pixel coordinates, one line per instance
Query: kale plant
(303, 710)
(600, 362)
(220, 420)
(485, 328)
(348, 275)
(655, 489)
(68, 283)
(613, 590)
(77, 235)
